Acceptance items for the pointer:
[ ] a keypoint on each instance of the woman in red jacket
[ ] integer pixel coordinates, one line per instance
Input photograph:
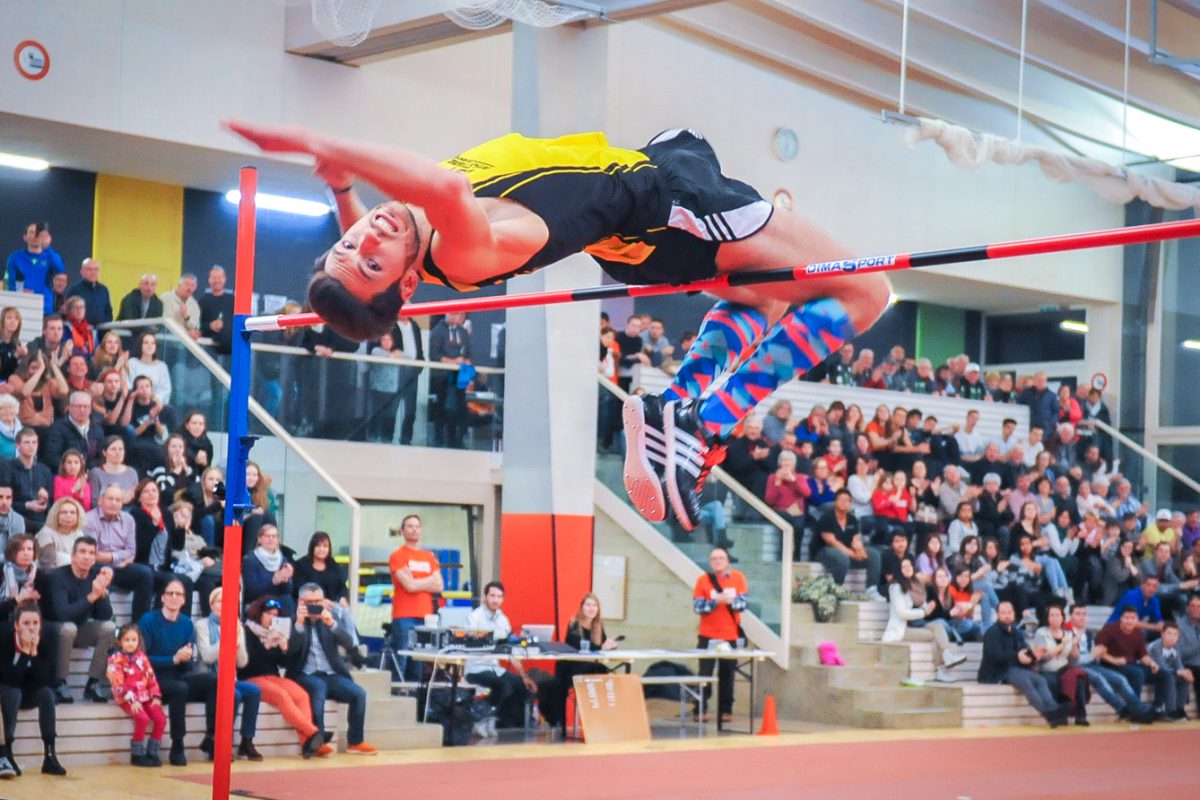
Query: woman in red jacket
(893, 503)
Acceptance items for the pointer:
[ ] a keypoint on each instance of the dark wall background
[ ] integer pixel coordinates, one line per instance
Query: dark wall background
(66, 198)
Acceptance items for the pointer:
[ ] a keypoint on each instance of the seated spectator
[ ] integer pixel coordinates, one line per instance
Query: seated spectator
(110, 355)
(908, 610)
(320, 567)
(1008, 659)
(750, 458)
(266, 655)
(10, 425)
(11, 523)
(78, 431)
(113, 471)
(25, 671)
(813, 428)
(258, 484)
(954, 490)
(991, 463)
(821, 488)
(77, 376)
(1095, 541)
(840, 544)
(778, 421)
(267, 572)
(1068, 407)
(56, 540)
(962, 526)
(1029, 577)
(889, 561)
(930, 558)
(835, 460)
(11, 348)
(245, 694)
(1171, 588)
(943, 381)
(149, 421)
(880, 433)
(863, 366)
(207, 497)
(31, 482)
(970, 443)
(199, 446)
(1065, 447)
(108, 403)
(116, 545)
(1064, 499)
(169, 637)
(1121, 573)
(1143, 601)
(78, 330)
(179, 553)
(315, 663)
(148, 519)
(508, 690)
(1094, 467)
(980, 576)
(1043, 500)
(1057, 650)
(37, 384)
(1123, 648)
(71, 480)
(146, 363)
(17, 575)
(994, 516)
(585, 632)
(173, 476)
(1088, 501)
(1176, 679)
(972, 388)
(1008, 438)
(923, 382)
(925, 494)
(1158, 531)
(1108, 683)
(892, 505)
(1190, 532)
(137, 693)
(1063, 547)
(77, 599)
(52, 346)
(787, 492)
(957, 599)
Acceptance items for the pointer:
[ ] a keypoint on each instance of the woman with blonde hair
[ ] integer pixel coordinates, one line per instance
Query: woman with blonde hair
(110, 354)
(258, 484)
(585, 632)
(56, 539)
(11, 349)
(10, 425)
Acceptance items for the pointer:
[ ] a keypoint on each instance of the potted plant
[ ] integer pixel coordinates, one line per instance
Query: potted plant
(822, 593)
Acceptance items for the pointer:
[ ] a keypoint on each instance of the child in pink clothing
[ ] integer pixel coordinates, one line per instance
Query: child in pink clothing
(71, 480)
(135, 691)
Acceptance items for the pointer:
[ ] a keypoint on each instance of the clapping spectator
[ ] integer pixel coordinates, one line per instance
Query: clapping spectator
(267, 571)
(78, 601)
(37, 384)
(71, 480)
(32, 483)
(1057, 650)
(110, 355)
(79, 332)
(195, 437)
(787, 492)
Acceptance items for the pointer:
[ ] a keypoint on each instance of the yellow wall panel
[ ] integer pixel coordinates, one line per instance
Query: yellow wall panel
(138, 228)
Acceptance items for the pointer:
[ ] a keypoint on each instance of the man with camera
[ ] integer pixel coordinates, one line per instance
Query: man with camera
(315, 663)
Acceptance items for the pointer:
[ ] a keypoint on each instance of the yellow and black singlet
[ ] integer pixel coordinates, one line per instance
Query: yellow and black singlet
(654, 215)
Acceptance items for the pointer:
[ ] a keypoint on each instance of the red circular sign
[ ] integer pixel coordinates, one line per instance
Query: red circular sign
(32, 60)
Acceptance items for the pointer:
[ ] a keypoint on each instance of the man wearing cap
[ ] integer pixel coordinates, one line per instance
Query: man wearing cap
(972, 388)
(1159, 532)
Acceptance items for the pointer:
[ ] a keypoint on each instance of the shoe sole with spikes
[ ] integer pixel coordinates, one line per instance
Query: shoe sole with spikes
(643, 483)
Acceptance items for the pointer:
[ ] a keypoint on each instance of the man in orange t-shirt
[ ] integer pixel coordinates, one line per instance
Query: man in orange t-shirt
(719, 598)
(416, 578)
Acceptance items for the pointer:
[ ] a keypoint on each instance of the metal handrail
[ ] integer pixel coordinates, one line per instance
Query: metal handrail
(1146, 454)
(284, 349)
(277, 430)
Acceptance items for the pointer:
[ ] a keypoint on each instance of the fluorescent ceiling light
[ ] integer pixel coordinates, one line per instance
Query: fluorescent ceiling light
(278, 202)
(1191, 344)
(23, 162)
(1073, 326)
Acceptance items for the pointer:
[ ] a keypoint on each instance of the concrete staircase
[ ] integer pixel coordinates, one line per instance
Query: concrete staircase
(392, 721)
(866, 692)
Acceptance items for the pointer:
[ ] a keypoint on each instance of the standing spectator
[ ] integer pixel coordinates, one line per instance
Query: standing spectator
(1007, 659)
(78, 430)
(181, 306)
(25, 670)
(141, 303)
(656, 344)
(94, 293)
(450, 343)
(77, 329)
(56, 540)
(137, 693)
(266, 654)
(719, 597)
(315, 664)
(11, 349)
(31, 268)
(1042, 403)
(841, 544)
(116, 545)
(216, 312)
(245, 694)
(11, 523)
(416, 578)
(406, 339)
(1176, 679)
(1094, 410)
(841, 366)
(169, 638)
(629, 342)
(77, 599)
(267, 571)
(971, 387)
(31, 481)
(1068, 407)
(384, 382)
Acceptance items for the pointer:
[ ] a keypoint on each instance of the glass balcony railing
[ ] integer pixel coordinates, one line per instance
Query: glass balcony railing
(756, 536)
(302, 496)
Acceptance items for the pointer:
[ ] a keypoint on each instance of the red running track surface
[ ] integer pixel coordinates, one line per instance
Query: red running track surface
(1137, 764)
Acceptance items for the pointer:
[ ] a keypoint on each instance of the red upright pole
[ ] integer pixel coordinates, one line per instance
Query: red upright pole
(231, 572)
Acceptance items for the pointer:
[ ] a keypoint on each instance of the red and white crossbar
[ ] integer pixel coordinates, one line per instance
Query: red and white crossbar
(1137, 234)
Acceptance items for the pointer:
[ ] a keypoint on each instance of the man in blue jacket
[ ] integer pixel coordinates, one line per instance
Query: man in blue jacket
(31, 269)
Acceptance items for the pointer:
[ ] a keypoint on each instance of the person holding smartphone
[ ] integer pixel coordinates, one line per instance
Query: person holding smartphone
(719, 597)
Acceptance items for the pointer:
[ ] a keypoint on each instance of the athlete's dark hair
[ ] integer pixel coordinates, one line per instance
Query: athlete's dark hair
(348, 315)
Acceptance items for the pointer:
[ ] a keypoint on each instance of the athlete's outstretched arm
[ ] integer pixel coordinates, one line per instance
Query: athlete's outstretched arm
(445, 195)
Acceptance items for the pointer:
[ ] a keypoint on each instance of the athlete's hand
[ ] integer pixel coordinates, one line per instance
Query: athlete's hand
(335, 176)
(274, 138)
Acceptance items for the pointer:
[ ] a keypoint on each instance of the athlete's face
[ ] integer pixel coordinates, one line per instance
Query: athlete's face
(375, 252)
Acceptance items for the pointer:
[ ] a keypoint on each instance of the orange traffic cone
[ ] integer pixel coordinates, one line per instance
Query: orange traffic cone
(769, 726)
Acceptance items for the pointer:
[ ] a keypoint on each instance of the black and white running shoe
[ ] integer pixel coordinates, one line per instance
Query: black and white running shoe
(645, 455)
(692, 452)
